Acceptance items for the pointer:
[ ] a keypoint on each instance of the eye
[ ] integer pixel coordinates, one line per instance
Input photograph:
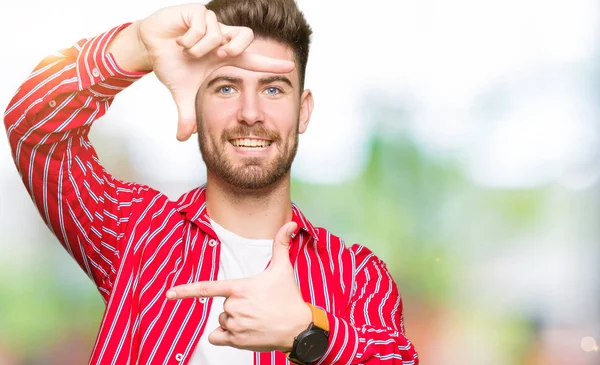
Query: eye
(226, 90)
(273, 91)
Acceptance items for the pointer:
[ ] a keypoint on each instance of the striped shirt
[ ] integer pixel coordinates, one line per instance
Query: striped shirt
(135, 243)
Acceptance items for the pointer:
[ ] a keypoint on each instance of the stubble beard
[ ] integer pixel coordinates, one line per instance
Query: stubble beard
(254, 173)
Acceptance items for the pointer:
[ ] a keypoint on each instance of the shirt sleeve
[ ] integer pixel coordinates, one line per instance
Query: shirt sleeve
(47, 124)
(371, 331)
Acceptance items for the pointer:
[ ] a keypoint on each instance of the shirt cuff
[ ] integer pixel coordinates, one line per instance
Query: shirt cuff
(97, 68)
(343, 342)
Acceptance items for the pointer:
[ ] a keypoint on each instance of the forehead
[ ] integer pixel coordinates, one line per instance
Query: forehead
(263, 47)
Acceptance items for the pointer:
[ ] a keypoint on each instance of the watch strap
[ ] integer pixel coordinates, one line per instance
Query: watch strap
(319, 317)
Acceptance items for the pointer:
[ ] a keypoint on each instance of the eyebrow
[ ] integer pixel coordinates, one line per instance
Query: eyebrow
(275, 78)
(233, 80)
(262, 81)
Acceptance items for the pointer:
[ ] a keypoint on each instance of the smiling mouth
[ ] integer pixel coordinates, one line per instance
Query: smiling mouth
(250, 144)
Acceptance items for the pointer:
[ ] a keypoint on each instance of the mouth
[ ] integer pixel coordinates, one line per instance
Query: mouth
(251, 144)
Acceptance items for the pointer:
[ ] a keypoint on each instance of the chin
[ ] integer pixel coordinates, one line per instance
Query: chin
(251, 178)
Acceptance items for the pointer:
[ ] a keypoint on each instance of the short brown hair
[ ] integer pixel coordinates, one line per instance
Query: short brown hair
(277, 20)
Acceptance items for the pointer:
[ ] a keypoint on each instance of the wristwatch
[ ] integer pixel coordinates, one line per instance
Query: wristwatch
(310, 345)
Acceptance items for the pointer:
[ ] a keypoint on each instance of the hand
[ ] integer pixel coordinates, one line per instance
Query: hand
(261, 313)
(183, 45)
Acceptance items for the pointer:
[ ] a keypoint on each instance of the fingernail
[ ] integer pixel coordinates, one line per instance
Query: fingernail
(171, 294)
(291, 229)
(222, 53)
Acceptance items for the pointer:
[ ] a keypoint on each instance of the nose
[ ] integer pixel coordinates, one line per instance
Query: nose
(250, 111)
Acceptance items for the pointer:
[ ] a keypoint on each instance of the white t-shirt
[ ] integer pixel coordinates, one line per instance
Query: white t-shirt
(240, 257)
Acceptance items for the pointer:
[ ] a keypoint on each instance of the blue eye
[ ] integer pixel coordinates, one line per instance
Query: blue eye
(226, 90)
(273, 91)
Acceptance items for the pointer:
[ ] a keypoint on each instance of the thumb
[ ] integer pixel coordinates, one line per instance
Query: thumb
(186, 110)
(281, 244)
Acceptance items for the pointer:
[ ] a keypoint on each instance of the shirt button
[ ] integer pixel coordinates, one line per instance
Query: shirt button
(212, 243)
(179, 357)
(95, 72)
(52, 103)
(202, 300)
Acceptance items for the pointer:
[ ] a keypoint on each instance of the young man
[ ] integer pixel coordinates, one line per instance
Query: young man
(232, 272)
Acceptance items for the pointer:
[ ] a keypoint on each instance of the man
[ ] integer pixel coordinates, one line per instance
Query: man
(201, 280)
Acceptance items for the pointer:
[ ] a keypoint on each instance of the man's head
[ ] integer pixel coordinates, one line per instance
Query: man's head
(248, 122)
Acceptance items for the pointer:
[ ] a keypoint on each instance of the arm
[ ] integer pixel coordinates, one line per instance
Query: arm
(49, 118)
(372, 329)
(47, 124)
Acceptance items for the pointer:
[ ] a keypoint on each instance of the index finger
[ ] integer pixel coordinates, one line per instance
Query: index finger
(201, 289)
(255, 62)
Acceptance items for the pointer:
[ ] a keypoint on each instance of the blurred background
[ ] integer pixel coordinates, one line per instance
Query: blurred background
(459, 140)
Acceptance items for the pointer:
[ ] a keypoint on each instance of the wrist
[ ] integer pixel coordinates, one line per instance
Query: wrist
(129, 51)
(311, 343)
(301, 322)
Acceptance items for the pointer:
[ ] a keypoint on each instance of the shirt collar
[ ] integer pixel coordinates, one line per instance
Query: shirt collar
(193, 206)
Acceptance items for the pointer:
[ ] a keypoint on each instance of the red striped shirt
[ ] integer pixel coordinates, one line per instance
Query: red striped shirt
(135, 243)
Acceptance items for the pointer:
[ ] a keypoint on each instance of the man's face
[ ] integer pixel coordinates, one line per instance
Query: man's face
(248, 122)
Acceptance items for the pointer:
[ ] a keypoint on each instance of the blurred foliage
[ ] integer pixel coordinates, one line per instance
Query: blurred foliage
(417, 213)
(44, 301)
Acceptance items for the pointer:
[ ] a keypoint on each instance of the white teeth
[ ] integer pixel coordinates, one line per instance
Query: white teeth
(251, 143)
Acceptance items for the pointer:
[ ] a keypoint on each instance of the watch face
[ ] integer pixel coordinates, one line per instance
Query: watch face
(312, 346)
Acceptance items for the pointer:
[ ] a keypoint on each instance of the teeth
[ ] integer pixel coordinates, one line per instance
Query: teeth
(250, 148)
(253, 143)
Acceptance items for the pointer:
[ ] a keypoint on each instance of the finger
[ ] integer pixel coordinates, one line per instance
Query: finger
(281, 244)
(223, 320)
(211, 40)
(186, 110)
(220, 337)
(196, 21)
(237, 40)
(202, 289)
(255, 62)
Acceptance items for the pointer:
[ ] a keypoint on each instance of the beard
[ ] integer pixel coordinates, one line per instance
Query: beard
(253, 172)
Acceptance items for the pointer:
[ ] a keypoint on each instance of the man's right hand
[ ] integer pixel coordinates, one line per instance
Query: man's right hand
(183, 45)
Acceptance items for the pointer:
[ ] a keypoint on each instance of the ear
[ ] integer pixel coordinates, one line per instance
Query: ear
(306, 107)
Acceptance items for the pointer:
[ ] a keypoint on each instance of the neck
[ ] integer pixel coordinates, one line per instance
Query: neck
(250, 213)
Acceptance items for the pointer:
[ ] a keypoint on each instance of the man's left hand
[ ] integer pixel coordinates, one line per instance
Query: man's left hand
(261, 313)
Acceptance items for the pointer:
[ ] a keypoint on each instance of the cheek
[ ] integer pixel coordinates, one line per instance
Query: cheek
(284, 116)
(215, 115)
